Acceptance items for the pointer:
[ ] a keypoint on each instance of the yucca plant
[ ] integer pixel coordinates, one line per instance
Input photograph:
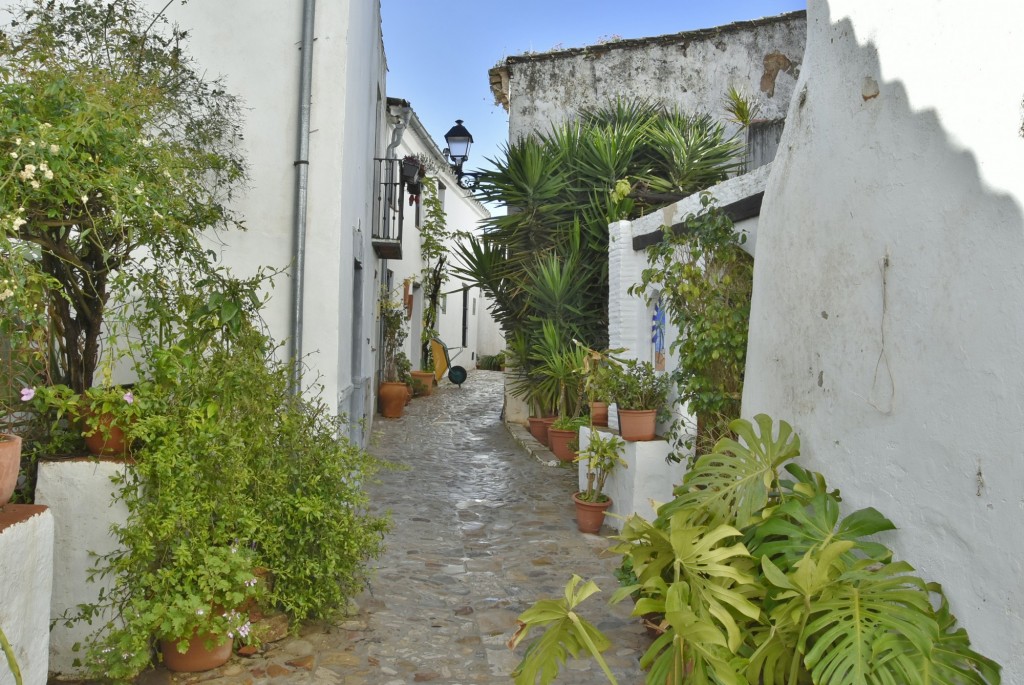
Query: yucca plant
(762, 581)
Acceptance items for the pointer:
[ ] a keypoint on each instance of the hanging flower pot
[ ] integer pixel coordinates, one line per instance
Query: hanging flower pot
(203, 654)
(10, 465)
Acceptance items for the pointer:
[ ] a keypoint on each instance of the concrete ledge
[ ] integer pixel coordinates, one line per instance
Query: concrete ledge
(26, 580)
(80, 493)
(522, 435)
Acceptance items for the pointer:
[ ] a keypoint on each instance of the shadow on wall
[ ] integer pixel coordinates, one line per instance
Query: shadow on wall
(888, 302)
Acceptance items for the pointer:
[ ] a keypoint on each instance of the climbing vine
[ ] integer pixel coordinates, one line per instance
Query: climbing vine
(433, 233)
(705, 281)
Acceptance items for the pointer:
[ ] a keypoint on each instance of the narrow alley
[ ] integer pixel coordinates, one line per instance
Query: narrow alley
(481, 530)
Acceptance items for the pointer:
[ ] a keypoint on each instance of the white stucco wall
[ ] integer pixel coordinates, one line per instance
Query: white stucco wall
(691, 70)
(888, 302)
(26, 579)
(80, 495)
(629, 316)
(255, 45)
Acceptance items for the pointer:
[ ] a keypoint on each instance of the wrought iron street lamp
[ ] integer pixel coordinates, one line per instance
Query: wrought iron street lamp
(458, 139)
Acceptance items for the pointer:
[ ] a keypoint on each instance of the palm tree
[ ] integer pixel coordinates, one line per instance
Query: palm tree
(547, 258)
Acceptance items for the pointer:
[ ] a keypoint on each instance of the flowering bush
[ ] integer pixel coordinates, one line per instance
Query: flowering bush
(92, 412)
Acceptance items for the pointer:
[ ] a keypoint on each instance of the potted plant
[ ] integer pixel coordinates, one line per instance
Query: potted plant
(423, 380)
(563, 436)
(599, 384)
(405, 375)
(392, 391)
(640, 393)
(102, 413)
(601, 457)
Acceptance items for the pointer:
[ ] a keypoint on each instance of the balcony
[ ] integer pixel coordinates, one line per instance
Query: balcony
(388, 210)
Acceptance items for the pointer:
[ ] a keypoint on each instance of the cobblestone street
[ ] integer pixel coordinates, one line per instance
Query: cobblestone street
(482, 528)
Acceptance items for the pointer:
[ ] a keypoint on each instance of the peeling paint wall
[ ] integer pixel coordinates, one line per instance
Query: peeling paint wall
(888, 306)
(691, 70)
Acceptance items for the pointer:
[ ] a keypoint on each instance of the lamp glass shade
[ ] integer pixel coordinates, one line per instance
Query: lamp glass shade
(458, 140)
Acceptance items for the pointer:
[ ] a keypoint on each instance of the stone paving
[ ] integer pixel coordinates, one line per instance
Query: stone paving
(483, 526)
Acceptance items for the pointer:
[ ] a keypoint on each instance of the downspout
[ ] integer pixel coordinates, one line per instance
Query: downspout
(302, 184)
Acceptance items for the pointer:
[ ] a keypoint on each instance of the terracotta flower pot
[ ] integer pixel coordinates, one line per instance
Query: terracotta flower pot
(10, 465)
(391, 397)
(599, 413)
(423, 382)
(198, 657)
(538, 429)
(546, 436)
(590, 515)
(558, 441)
(637, 425)
(106, 439)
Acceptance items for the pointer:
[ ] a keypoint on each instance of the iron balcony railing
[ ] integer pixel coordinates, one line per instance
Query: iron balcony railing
(388, 209)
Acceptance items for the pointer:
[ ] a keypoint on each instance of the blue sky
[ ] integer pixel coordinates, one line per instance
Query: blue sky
(439, 51)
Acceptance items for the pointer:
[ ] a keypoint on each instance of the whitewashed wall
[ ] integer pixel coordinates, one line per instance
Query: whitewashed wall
(26, 571)
(629, 316)
(255, 45)
(889, 289)
(691, 70)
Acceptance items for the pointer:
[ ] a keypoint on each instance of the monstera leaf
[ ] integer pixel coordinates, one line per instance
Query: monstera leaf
(567, 634)
(867, 626)
(951, 660)
(799, 525)
(732, 485)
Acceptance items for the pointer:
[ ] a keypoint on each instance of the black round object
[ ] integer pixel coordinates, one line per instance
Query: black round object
(457, 375)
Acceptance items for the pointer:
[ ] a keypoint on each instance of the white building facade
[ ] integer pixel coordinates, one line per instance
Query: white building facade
(324, 309)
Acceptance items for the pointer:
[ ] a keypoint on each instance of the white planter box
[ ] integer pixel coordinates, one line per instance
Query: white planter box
(647, 477)
(26, 577)
(80, 494)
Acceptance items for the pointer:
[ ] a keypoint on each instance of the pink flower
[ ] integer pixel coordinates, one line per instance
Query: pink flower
(27, 394)
(129, 397)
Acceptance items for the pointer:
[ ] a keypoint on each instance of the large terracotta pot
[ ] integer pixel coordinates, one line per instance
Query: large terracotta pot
(391, 397)
(10, 465)
(538, 429)
(599, 413)
(590, 515)
(559, 440)
(423, 382)
(106, 439)
(637, 425)
(198, 657)
(545, 436)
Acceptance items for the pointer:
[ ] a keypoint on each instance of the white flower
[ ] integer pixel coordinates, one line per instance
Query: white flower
(48, 175)
(138, 189)
(18, 223)
(17, 141)
(28, 172)
(14, 155)
(35, 185)
(46, 125)
(5, 294)
(54, 149)
(31, 143)
(200, 612)
(84, 199)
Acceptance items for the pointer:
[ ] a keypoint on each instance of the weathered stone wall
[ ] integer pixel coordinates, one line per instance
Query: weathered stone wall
(692, 70)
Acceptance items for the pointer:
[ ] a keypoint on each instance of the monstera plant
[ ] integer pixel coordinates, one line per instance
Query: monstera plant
(760, 579)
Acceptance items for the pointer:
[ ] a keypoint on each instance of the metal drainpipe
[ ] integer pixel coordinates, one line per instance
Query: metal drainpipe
(302, 183)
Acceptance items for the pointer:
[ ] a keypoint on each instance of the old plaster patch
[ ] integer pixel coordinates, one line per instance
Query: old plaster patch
(774, 62)
(869, 89)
